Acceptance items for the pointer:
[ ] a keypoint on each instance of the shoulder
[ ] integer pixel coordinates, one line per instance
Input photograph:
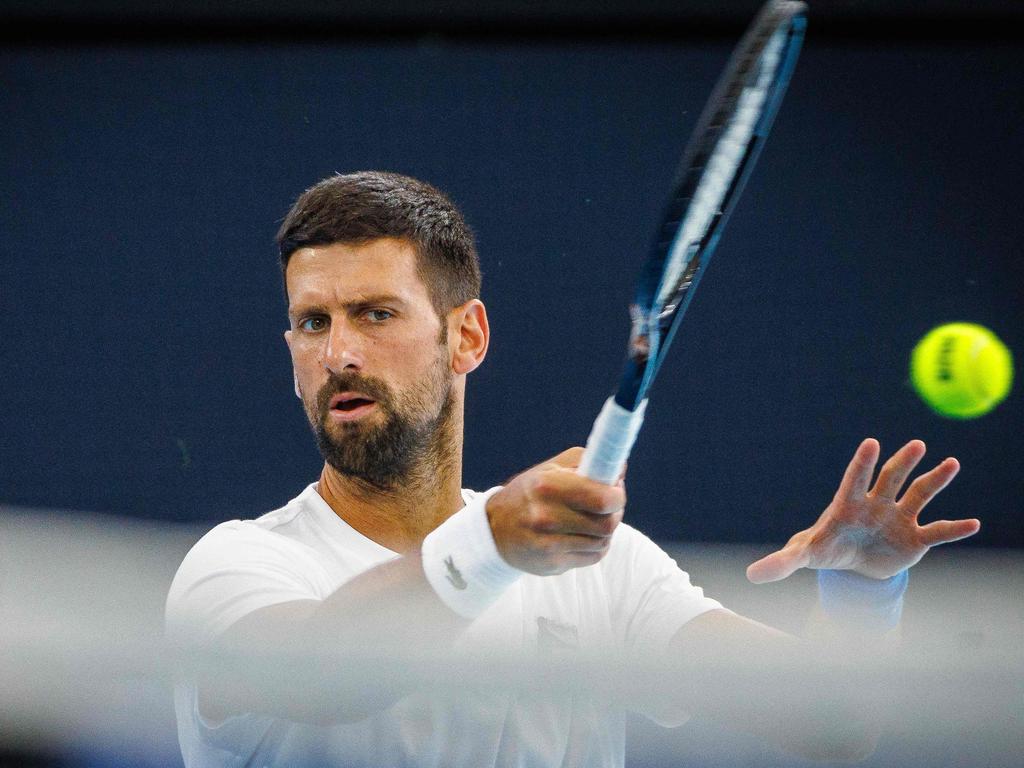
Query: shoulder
(279, 519)
(241, 565)
(237, 541)
(240, 540)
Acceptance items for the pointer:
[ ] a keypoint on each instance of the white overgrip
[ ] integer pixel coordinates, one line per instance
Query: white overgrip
(610, 441)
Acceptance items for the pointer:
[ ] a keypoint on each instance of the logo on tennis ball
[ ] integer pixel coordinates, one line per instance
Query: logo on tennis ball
(961, 370)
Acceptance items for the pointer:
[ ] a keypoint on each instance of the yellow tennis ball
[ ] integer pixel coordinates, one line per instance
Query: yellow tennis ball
(961, 370)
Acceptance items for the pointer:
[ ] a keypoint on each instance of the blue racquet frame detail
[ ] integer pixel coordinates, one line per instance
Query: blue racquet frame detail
(656, 314)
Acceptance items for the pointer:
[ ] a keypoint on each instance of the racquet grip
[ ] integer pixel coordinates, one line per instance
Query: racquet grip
(610, 441)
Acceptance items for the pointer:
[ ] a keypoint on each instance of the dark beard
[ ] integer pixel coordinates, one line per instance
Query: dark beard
(387, 455)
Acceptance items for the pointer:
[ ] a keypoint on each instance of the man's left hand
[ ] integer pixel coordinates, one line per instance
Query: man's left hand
(865, 529)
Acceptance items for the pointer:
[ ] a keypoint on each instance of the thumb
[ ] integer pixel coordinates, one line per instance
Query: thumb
(569, 458)
(777, 565)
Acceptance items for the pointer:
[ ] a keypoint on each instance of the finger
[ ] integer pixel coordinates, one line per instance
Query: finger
(927, 486)
(945, 531)
(857, 478)
(778, 565)
(569, 458)
(897, 469)
(579, 493)
(570, 522)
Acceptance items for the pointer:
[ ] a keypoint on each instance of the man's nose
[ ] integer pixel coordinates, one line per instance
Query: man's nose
(344, 351)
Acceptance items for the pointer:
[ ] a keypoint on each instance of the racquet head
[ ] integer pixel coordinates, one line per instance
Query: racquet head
(716, 163)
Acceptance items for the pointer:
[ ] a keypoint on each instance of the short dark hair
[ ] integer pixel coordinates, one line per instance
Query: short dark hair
(360, 207)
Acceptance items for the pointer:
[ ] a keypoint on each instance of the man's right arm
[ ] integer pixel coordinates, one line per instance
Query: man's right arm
(545, 521)
(391, 602)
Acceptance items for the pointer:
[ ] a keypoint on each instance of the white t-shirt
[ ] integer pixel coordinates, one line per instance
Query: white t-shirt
(635, 599)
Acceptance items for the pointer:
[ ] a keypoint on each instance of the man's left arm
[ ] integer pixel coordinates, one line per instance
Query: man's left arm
(862, 545)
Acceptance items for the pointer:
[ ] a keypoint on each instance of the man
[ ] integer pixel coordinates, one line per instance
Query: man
(387, 551)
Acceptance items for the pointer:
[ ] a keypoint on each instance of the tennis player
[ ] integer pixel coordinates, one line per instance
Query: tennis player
(385, 324)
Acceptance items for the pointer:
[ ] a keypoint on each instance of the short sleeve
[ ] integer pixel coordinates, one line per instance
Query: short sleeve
(235, 569)
(651, 599)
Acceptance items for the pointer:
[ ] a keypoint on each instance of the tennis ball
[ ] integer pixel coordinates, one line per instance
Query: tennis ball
(961, 370)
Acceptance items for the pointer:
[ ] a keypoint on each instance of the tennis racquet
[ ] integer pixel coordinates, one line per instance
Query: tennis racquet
(716, 163)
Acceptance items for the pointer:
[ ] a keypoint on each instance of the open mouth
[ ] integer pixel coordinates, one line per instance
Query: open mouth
(346, 405)
(353, 404)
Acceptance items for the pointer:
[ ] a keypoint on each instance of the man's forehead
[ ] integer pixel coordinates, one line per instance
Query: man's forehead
(346, 270)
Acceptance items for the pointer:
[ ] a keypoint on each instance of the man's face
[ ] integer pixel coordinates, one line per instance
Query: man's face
(371, 358)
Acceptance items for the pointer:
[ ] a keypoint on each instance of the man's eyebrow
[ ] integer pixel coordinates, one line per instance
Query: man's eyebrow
(299, 309)
(390, 299)
(361, 302)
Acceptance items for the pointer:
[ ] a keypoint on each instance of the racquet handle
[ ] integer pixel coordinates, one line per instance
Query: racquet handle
(610, 441)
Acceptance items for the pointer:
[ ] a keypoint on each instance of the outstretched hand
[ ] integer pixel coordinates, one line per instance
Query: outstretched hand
(865, 529)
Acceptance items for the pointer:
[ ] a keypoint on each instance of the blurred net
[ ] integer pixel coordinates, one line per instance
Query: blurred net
(85, 668)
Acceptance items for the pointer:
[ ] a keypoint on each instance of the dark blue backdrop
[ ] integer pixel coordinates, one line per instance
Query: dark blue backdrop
(144, 370)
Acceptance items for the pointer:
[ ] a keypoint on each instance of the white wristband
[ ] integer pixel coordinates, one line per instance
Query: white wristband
(462, 562)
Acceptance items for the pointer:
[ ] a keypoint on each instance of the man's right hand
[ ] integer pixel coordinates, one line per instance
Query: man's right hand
(550, 518)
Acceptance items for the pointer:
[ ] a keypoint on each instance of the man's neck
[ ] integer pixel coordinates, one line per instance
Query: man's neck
(400, 518)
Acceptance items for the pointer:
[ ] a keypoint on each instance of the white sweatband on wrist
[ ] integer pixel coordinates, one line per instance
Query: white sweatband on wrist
(462, 563)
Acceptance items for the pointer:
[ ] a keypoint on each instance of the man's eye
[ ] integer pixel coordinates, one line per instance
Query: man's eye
(313, 324)
(378, 315)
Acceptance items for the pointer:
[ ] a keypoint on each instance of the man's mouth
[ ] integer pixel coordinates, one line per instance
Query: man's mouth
(347, 406)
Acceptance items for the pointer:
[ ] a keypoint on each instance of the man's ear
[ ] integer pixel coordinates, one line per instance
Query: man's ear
(468, 336)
